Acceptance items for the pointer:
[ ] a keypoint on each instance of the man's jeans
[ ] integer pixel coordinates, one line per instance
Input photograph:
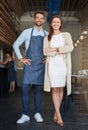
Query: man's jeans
(26, 98)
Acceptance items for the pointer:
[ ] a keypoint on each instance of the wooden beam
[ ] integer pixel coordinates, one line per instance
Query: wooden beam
(7, 27)
(6, 17)
(16, 7)
(5, 41)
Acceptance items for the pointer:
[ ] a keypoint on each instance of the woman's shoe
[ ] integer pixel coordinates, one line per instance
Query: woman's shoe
(60, 123)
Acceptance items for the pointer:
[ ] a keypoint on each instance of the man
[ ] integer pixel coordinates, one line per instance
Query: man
(33, 72)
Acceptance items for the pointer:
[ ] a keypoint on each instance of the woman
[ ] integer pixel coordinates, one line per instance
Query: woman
(10, 65)
(57, 47)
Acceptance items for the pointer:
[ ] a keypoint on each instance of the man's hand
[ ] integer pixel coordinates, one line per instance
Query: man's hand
(25, 61)
(44, 60)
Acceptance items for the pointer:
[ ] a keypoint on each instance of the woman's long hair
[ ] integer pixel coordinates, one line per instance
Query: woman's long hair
(51, 29)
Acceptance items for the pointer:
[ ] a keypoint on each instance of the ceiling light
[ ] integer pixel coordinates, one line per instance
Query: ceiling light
(75, 44)
(81, 37)
(77, 41)
(85, 32)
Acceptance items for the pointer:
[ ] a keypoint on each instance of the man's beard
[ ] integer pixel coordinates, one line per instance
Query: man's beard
(39, 25)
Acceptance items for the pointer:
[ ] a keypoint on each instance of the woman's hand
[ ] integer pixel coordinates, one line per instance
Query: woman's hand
(50, 50)
(25, 61)
(57, 53)
(4, 62)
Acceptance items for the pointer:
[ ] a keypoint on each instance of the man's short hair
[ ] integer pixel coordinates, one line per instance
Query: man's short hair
(39, 12)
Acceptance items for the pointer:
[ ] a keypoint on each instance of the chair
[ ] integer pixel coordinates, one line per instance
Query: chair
(80, 95)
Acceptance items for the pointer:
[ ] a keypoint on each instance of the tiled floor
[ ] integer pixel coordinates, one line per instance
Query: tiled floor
(10, 111)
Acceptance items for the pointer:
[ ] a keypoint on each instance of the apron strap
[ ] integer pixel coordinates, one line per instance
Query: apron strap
(31, 32)
(30, 40)
(44, 33)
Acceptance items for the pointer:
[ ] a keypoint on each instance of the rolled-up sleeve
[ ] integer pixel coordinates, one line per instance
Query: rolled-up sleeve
(68, 47)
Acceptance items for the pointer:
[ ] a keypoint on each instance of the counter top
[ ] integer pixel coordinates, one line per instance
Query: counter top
(2, 66)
